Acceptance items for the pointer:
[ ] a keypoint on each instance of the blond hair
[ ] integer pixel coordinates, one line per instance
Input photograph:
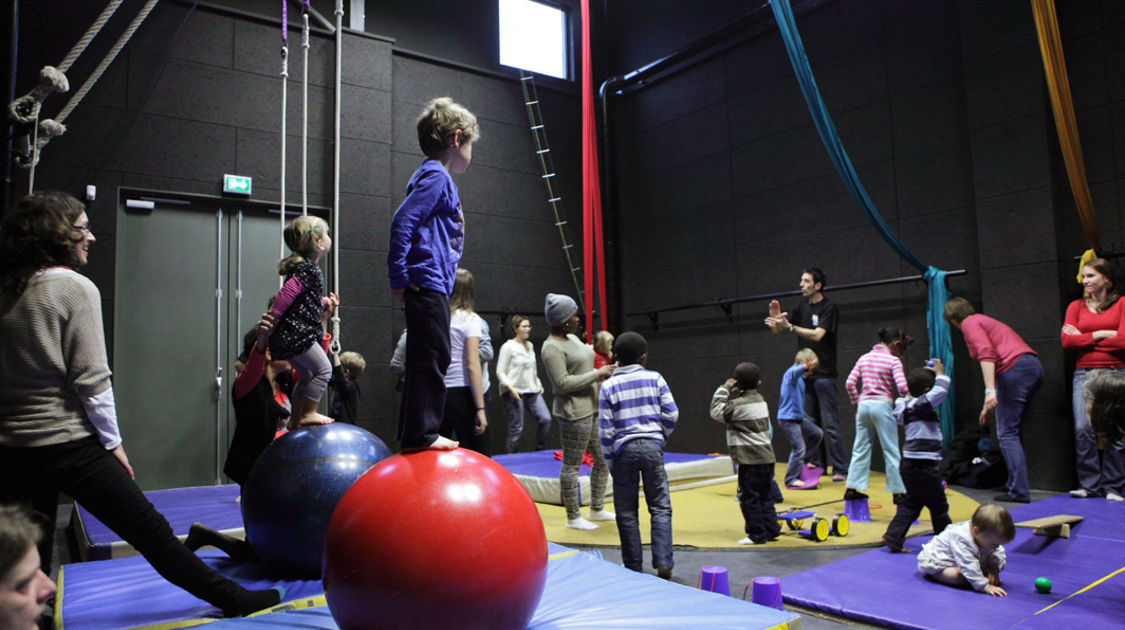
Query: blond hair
(603, 341)
(302, 235)
(439, 120)
(805, 354)
(353, 362)
(464, 291)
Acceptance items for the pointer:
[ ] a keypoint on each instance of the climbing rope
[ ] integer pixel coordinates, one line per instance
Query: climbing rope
(47, 129)
(335, 347)
(25, 109)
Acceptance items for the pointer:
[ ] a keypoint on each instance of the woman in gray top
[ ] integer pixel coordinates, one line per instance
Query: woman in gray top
(569, 365)
(58, 422)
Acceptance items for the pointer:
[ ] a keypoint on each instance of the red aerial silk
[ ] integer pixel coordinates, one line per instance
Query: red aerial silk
(592, 246)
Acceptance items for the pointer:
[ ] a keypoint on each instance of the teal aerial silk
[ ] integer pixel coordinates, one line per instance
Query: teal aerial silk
(941, 345)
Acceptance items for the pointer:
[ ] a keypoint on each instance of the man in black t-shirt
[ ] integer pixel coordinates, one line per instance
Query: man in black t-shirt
(813, 322)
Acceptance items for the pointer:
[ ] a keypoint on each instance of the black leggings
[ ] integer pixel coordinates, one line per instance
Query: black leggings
(83, 469)
(460, 420)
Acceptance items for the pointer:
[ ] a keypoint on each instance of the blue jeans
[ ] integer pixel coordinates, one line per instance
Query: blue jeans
(820, 404)
(1094, 476)
(642, 461)
(1015, 389)
(804, 437)
(534, 402)
(875, 416)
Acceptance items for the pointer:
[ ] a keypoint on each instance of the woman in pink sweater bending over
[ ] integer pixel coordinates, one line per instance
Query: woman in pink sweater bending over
(1012, 376)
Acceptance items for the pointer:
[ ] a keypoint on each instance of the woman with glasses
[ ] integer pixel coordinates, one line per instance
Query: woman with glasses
(58, 422)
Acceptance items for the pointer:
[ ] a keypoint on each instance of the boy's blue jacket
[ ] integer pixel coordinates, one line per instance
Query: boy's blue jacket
(427, 232)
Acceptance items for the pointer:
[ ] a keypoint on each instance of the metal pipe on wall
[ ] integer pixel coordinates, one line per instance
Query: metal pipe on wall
(13, 63)
(750, 24)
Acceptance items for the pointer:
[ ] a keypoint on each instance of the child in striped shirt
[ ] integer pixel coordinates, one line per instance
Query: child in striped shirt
(747, 416)
(636, 414)
(921, 455)
(879, 373)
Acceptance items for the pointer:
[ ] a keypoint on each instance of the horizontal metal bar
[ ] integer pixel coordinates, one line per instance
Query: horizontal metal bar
(768, 296)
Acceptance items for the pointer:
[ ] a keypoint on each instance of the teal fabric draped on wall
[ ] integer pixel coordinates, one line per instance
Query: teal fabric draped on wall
(941, 345)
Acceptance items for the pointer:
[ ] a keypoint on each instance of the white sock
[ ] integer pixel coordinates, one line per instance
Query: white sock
(580, 523)
(602, 515)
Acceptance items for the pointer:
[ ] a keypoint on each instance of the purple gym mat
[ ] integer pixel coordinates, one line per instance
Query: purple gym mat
(884, 588)
(216, 506)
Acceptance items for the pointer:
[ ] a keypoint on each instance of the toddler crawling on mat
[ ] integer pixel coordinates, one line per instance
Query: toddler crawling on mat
(971, 552)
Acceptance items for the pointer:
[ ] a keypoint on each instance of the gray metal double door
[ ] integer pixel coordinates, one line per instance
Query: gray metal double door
(192, 276)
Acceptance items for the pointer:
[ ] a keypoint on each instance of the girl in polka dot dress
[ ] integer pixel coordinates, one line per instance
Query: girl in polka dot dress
(299, 306)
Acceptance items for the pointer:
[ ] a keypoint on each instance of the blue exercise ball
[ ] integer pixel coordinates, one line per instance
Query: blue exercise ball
(294, 486)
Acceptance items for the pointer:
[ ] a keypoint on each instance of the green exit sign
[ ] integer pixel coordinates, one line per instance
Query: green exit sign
(237, 184)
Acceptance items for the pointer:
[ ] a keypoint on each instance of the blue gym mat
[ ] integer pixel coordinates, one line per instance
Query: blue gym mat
(1087, 572)
(216, 506)
(128, 593)
(582, 591)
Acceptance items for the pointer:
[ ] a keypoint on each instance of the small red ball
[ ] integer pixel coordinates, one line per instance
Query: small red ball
(435, 539)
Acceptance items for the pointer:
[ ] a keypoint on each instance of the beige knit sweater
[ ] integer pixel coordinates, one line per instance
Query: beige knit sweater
(52, 348)
(570, 369)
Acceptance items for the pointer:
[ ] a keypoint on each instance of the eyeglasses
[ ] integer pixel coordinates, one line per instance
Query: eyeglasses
(85, 229)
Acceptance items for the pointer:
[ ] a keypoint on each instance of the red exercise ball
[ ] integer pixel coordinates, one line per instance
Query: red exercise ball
(435, 539)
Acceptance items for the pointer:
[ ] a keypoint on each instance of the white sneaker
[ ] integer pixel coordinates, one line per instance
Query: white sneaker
(1113, 496)
(601, 515)
(580, 523)
(747, 541)
(1080, 493)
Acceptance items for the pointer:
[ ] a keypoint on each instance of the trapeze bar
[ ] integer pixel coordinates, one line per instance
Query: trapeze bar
(726, 303)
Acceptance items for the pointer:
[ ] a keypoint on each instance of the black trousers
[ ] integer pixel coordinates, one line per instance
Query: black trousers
(83, 469)
(427, 359)
(460, 420)
(755, 498)
(922, 479)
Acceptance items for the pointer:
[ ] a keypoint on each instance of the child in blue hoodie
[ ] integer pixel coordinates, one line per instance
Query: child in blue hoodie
(427, 237)
(804, 436)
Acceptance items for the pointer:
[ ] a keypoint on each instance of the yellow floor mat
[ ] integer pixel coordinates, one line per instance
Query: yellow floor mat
(709, 517)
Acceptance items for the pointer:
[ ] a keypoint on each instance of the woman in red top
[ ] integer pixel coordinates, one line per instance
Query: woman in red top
(1095, 329)
(1012, 376)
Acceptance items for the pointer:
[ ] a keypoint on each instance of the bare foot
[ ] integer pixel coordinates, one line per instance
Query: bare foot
(442, 443)
(314, 418)
(797, 484)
